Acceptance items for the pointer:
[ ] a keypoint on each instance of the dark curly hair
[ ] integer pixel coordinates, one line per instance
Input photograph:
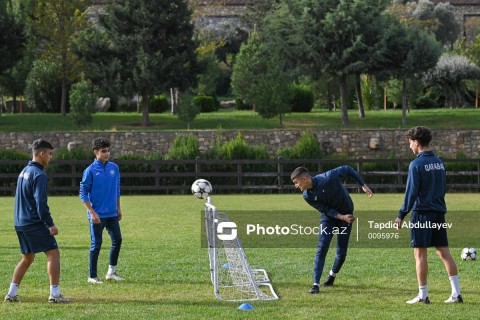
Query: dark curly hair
(421, 134)
(100, 143)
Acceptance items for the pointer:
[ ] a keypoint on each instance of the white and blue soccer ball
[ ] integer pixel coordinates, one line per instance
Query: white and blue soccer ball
(201, 188)
(469, 254)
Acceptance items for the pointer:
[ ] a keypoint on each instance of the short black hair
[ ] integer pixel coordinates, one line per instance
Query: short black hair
(40, 144)
(100, 143)
(299, 172)
(421, 134)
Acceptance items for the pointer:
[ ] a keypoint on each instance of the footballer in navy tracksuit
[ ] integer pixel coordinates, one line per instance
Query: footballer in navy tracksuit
(425, 197)
(100, 193)
(31, 208)
(326, 193)
(34, 224)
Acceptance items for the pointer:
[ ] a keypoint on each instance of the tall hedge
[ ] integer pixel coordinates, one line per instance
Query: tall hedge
(206, 103)
(302, 98)
(82, 103)
(158, 103)
(43, 89)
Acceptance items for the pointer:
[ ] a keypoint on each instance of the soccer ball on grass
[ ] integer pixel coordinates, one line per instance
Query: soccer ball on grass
(469, 254)
(201, 188)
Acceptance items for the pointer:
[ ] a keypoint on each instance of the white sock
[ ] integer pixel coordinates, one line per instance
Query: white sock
(423, 292)
(333, 274)
(111, 269)
(315, 284)
(12, 292)
(455, 286)
(55, 290)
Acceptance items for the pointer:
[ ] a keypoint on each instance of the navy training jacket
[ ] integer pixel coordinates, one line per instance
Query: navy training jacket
(31, 209)
(328, 194)
(425, 190)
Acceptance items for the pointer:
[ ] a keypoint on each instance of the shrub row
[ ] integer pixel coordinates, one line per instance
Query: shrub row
(158, 103)
(301, 99)
(186, 147)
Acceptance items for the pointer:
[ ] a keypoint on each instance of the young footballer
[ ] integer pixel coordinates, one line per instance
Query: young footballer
(100, 193)
(326, 193)
(34, 224)
(425, 197)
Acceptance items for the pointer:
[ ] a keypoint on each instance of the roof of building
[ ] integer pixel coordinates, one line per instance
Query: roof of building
(459, 2)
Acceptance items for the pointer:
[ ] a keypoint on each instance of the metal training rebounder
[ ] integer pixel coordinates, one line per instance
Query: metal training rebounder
(232, 277)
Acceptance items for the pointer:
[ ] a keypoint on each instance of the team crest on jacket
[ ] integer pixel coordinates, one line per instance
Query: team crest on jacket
(112, 173)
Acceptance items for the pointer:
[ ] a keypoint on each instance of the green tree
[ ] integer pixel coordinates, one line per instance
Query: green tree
(329, 37)
(231, 46)
(449, 73)
(13, 82)
(421, 54)
(55, 23)
(353, 43)
(100, 67)
(259, 79)
(273, 91)
(43, 87)
(187, 110)
(247, 68)
(82, 103)
(472, 51)
(422, 13)
(371, 17)
(14, 60)
(393, 89)
(282, 33)
(150, 47)
(437, 19)
(12, 40)
(449, 29)
(210, 75)
(256, 11)
(411, 51)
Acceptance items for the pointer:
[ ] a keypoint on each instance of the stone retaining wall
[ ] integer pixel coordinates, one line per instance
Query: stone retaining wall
(347, 143)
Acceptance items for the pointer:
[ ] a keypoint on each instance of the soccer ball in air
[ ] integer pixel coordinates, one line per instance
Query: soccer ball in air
(201, 188)
(469, 254)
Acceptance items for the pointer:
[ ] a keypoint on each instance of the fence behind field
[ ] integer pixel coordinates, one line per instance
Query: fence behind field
(237, 176)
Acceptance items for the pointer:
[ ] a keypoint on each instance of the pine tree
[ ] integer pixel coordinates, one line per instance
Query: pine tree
(55, 23)
(147, 47)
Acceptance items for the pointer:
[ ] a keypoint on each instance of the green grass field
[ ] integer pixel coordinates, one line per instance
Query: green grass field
(168, 277)
(246, 120)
